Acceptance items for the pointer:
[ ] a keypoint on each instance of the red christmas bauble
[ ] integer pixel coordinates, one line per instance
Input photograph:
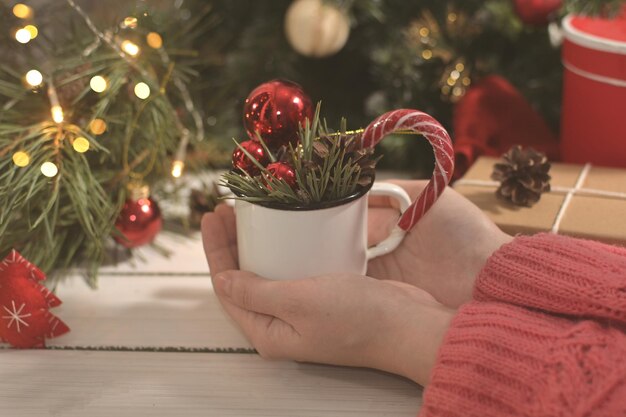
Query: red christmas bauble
(139, 221)
(536, 12)
(275, 110)
(243, 162)
(283, 171)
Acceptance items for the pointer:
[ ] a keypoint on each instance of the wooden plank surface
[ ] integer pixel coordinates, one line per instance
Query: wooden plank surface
(145, 311)
(135, 384)
(186, 257)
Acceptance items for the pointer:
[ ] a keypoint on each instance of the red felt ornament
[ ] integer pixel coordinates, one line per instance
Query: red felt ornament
(275, 110)
(140, 219)
(283, 171)
(25, 321)
(493, 116)
(243, 162)
(536, 12)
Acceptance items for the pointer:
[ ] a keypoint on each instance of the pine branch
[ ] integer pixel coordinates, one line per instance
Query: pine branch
(328, 167)
(66, 220)
(606, 8)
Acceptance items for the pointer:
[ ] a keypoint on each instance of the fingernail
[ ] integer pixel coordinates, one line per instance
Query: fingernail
(223, 284)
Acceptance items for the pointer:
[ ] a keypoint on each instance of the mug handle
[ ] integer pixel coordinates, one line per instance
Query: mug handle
(397, 234)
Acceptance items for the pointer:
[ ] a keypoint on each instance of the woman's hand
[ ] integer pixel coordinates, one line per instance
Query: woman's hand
(346, 320)
(354, 320)
(336, 319)
(443, 253)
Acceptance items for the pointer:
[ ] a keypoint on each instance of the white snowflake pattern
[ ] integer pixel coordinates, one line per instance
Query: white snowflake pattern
(16, 316)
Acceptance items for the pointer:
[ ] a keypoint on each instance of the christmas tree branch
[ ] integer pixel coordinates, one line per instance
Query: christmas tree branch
(107, 40)
(62, 181)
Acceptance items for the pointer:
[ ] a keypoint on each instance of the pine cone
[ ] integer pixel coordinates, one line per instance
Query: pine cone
(363, 157)
(200, 202)
(523, 177)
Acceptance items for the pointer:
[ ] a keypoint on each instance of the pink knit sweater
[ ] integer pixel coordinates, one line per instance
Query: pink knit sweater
(545, 336)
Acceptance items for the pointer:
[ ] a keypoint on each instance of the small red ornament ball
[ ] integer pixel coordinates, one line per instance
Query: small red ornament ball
(139, 222)
(243, 162)
(536, 12)
(283, 171)
(275, 109)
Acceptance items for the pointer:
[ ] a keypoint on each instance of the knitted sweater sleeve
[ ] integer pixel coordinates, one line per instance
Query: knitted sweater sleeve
(557, 274)
(502, 360)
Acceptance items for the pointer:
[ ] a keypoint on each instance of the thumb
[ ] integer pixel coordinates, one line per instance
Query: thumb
(250, 300)
(249, 291)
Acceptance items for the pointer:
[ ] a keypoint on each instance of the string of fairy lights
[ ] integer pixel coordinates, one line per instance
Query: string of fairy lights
(99, 84)
(427, 36)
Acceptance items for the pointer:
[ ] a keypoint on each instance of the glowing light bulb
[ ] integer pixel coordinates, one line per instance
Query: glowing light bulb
(455, 75)
(460, 67)
(32, 29)
(49, 169)
(154, 40)
(97, 126)
(142, 91)
(21, 159)
(129, 22)
(427, 54)
(34, 78)
(98, 83)
(57, 113)
(80, 145)
(22, 11)
(177, 168)
(130, 48)
(22, 36)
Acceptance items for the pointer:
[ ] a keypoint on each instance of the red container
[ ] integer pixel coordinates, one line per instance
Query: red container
(593, 124)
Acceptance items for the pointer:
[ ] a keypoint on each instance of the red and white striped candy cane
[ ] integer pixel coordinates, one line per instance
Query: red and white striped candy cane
(421, 123)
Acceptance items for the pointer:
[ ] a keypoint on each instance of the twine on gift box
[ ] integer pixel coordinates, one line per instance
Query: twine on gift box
(569, 191)
(568, 198)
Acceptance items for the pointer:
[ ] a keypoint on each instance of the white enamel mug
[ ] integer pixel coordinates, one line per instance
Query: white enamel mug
(285, 244)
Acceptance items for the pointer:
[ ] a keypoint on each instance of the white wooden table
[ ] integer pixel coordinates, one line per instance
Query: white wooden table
(153, 340)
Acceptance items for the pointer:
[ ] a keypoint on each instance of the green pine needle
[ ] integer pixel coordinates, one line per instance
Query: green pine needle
(322, 179)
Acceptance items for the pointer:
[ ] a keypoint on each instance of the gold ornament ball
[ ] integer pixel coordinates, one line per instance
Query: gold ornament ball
(316, 29)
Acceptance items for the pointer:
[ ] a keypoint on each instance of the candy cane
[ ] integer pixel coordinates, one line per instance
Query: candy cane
(421, 123)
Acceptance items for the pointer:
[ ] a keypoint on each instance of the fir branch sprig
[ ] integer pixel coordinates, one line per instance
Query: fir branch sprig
(603, 8)
(328, 166)
(66, 220)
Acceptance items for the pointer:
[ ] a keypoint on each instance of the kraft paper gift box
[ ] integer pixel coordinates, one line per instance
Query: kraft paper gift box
(585, 201)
